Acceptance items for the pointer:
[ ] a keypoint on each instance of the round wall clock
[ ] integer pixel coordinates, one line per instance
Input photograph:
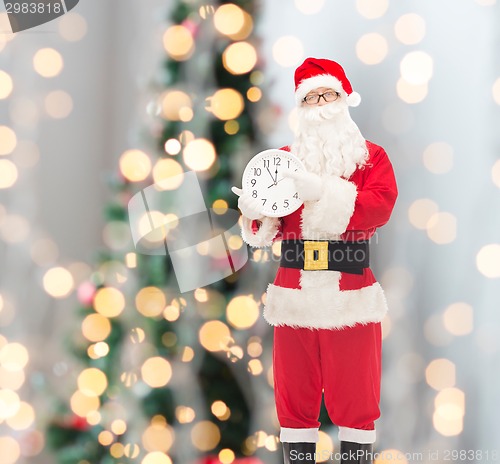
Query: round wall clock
(263, 179)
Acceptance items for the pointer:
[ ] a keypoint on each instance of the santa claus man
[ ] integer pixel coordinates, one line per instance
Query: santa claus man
(327, 312)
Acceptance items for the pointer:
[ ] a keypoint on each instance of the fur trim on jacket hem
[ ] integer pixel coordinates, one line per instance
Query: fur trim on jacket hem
(264, 236)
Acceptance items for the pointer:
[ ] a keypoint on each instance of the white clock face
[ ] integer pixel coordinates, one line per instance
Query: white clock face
(263, 179)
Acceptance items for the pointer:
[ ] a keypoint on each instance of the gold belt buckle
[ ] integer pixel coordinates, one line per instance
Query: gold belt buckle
(318, 262)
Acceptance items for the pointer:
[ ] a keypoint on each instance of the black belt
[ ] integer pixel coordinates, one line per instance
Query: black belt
(331, 255)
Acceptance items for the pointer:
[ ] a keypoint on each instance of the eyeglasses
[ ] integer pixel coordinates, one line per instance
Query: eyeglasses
(329, 96)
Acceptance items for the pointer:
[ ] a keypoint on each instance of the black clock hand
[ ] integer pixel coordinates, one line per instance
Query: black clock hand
(270, 173)
(276, 183)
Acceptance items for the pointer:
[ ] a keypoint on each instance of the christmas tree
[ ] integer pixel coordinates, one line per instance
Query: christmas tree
(169, 376)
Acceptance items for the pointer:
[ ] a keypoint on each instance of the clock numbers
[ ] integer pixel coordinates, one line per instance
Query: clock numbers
(256, 171)
(277, 161)
(253, 182)
(275, 206)
(286, 204)
(266, 163)
(296, 195)
(264, 200)
(254, 194)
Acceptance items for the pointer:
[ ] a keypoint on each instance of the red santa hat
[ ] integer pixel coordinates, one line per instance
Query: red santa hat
(317, 72)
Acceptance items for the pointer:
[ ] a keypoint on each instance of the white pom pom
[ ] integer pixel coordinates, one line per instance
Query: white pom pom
(354, 99)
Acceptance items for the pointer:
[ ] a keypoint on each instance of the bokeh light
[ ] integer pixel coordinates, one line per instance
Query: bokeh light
(232, 21)
(173, 147)
(96, 327)
(371, 48)
(417, 67)
(199, 154)
(324, 447)
(82, 405)
(226, 104)
(58, 104)
(242, 312)
(109, 301)
(214, 335)
(176, 105)
(150, 301)
(458, 319)
(156, 457)
(11, 450)
(167, 174)
(488, 260)
(496, 91)
(239, 58)
(6, 85)
(309, 7)
(226, 456)
(411, 93)
(72, 27)
(438, 157)
(178, 42)
(14, 357)
(58, 282)
(135, 165)
(8, 140)
(92, 382)
(440, 373)
(156, 372)
(288, 51)
(205, 435)
(23, 418)
(372, 9)
(410, 29)
(442, 228)
(158, 436)
(420, 211)
(48, 62)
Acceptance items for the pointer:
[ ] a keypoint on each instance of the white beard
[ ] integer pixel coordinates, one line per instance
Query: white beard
(328, 141)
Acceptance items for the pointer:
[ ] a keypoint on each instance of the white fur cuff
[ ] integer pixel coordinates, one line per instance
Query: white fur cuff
(264, 236)
(357, 435)
(332, 212)
(288, 435)
(324, 307)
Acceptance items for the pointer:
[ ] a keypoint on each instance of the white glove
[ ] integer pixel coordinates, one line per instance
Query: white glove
(249, 207)
(309, 186)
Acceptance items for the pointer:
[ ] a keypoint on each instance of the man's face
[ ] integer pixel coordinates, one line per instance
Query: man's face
(329, 95)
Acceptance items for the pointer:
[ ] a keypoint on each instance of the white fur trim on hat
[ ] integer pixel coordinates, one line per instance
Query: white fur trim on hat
(264, 236)
(354, 99)
(311, 83)
(324, 80)
(324, 307)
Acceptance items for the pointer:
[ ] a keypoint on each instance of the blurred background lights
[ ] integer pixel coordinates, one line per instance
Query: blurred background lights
(135, 165)
(58, 104)
(156, 457)
(13, 357)
(72, 27)
(58, 282)
(96, 327)
(254, 94)
(82, 405)
(324, 447)
(109, 301)
(158, 437)
(239, 58)
(226, 456)
(199, 154)
(6, 85)
(496, 91)
(371, 48)
(420, 211)
(92, 382)
(372, 9)
(417, 67)
(440, 373)
(14, 228)
(167, 174)
(410, 29)
(176, 105)
(242, 312)
(150, 301)
(48, 62)
(11, 450)
(8, 140)
(23, 418)
(411, 93)
(495, 173)
(458, 319)
(442, 228)
(178, 42)
(173, 146)
(205, 435)
(449, 411)
(309, 7)
(156, 372)
(226, 104)
(488, 260)
(288, 51)
(438, 157)
(214, 335)
(231, 20)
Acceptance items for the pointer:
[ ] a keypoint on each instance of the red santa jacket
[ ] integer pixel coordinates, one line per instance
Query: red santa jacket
(349, 209)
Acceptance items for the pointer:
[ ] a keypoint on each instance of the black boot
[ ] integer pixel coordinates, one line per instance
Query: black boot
(356, 453)
(298, 453)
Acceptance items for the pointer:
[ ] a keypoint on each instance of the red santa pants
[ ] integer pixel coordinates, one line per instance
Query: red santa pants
(345, 364)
